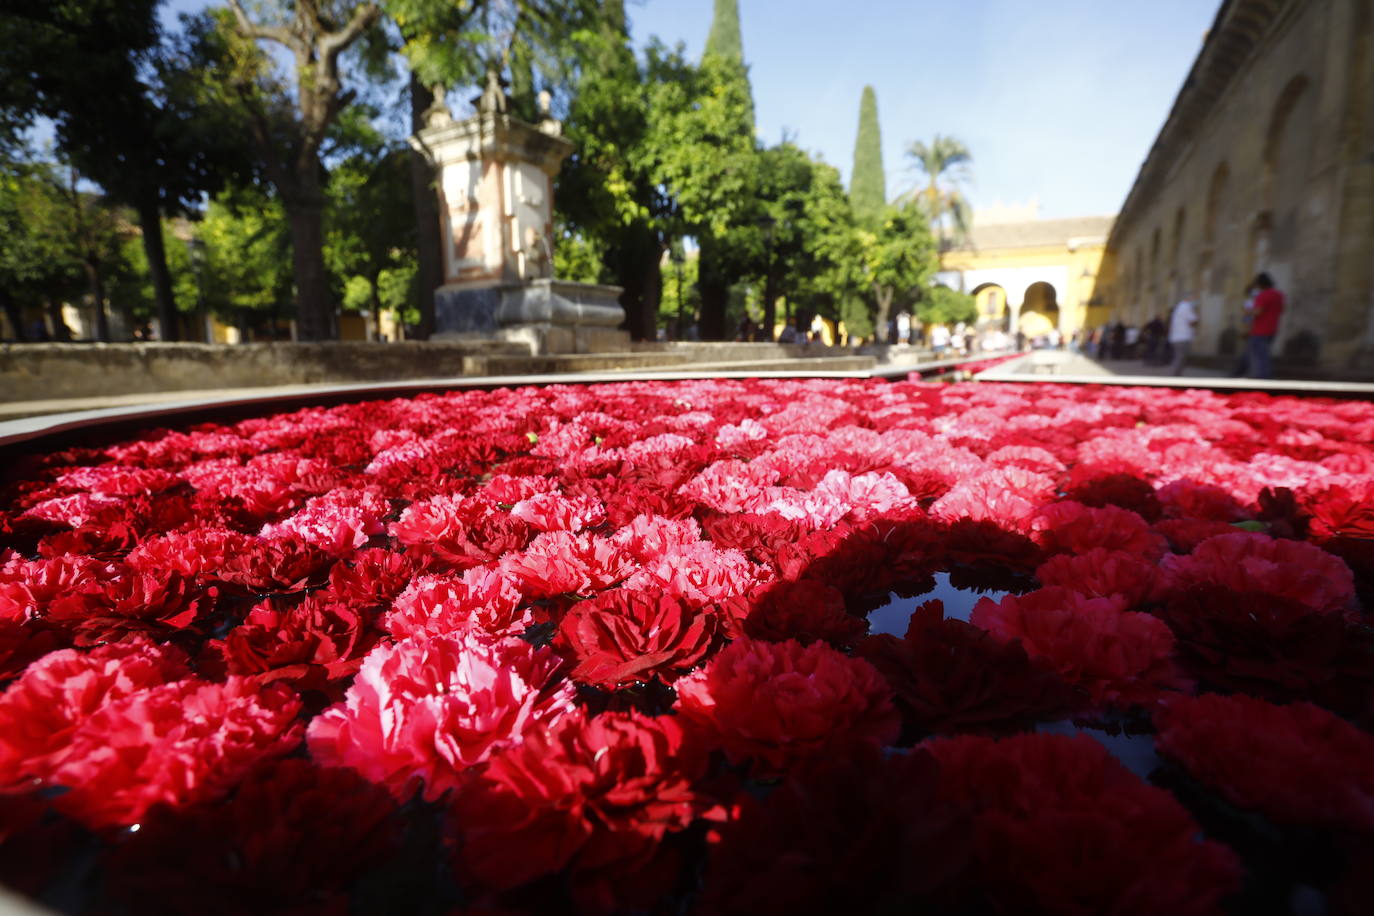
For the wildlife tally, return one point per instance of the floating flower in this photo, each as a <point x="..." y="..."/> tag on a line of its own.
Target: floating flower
<point x="776" y="703"/>
<point x="429" y="707"/>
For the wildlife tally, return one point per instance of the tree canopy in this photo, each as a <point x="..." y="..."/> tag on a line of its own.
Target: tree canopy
<point x="253" y="163"/>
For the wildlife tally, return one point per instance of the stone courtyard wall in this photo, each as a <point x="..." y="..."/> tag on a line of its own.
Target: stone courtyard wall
<point x="1266" y="162"/>
<point x="47" y="371"/>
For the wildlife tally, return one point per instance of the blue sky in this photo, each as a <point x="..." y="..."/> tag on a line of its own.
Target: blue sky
<point x="1058" y="100"/>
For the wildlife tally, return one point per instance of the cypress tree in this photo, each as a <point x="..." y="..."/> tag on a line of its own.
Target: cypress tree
<point x="724" y="39"/>
<point x="867" y="184"/>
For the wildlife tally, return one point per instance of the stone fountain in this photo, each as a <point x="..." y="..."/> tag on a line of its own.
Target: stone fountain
<point x="495" y="182"/>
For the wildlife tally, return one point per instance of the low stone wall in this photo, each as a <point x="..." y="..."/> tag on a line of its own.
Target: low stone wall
<point x="44" y="371"/>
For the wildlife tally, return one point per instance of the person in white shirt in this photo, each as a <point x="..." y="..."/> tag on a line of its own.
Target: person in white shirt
<point x="1182" y="322"/>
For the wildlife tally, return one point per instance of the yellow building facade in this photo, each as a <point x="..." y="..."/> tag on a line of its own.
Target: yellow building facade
<point x="1032" y="275"/>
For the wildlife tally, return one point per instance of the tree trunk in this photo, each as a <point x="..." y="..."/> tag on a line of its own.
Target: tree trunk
<point x="97" y="283"/>
<point x="715" y="290"/>
<point x="15" y="314"/>
<point x="770" y="305"/>
<point x="150" y="221"/>
<point x="883" y="296"/>
<point x="638" y="270"/>
<point x="314" y="308"/>
<point x="428" y="244"/>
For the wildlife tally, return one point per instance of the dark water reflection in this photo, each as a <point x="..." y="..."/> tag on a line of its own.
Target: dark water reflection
<point x="894" y="616"/>
<point x="1135" y="752"/>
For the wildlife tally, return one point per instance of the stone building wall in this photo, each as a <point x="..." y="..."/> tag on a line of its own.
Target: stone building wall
<point x="1266" y="162"/>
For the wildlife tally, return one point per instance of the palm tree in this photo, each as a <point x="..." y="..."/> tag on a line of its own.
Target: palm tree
<point x="945" y="165"/>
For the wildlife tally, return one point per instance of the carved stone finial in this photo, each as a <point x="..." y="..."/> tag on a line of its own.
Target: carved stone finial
<point x="493" y="99"/>
<point x="548" y="124"/>
<point x="438" y="113"/>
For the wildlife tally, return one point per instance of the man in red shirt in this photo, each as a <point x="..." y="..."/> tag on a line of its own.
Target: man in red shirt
<point x="1264" y="325"/>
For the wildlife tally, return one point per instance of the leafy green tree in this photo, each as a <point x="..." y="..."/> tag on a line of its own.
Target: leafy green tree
<point x="703" y="130"/>
<point x="939" y="304"/>
<point x="40" y="263"/>
<point x="246" y="271"/>
<point x="944" y="163"/>
<point x="611" y="198"/>
<point x="370" y="240"/>
<point x="124" y="112"/>
<point x="867" y="182"/>
<point x="724" y="40"/>
<point x="899" y="259"/>
<point x="290" y="122"/>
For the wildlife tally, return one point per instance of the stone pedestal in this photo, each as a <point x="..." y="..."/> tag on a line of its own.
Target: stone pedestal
<point x="552" y="316"/>
<point x="496" y="203"/>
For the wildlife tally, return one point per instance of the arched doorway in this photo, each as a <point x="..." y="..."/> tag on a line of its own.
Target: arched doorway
<point x="991" y="302"/>
<point x="1040" y="310"/>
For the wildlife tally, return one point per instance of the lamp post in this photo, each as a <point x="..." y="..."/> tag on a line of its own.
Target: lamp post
<point x="770" y="309"/>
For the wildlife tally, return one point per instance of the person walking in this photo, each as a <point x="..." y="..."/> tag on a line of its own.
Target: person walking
<point x="1264" y="326"/>
<point x="1182" y="322"/>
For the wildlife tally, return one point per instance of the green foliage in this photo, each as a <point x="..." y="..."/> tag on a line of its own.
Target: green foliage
<point x="724" y="40"/>
<point x="40" y="255"/>
<point x="701" y="139"/>
<point x="939" y="304"/>
<point x="246" y="265"/>
<point x="678" y="312"/>
<point x="578" y="257"/>
<point x="867" y="182"/>
<point x="944" y="163"/>
<point x="131" y="287"/>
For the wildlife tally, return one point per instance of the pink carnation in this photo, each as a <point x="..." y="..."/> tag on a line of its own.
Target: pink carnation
<point x="432" y="706"/>
<point x="483" y="598"/>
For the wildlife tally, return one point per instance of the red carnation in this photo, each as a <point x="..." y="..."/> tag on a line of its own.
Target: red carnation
<point x="859" y="832"/>
<point x="1273" y="647"/>
<point x="1342" y="512"/>
<point x="1101" y="573"/>
<point x="1247" y="562"/>
<point x="1062" y="827"/>
<point x="176" y="743"/>
<point x="312" y="645"/>
<point x="952" y="677"/>
<point x="776" y="703"/>
<point x="430" y="707"/>
<point x="1184" y="498"/>
<point x="1184" y="534"/>
<point x="1096" y="486"/>
<point x="588" y="794"/>
<point x="560" y="562"/>
<point x="459" y="532"/>
<point x="1296" y="764"/>
<point x="292" y="838"/>
<point x="1070" y="527"/>
<point x="1120" y="657"/>
<point x="370" y="578"/>
<point x="624" y="635"/>
<point x="41" y="711"/>
<point x="806" y="611"/>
